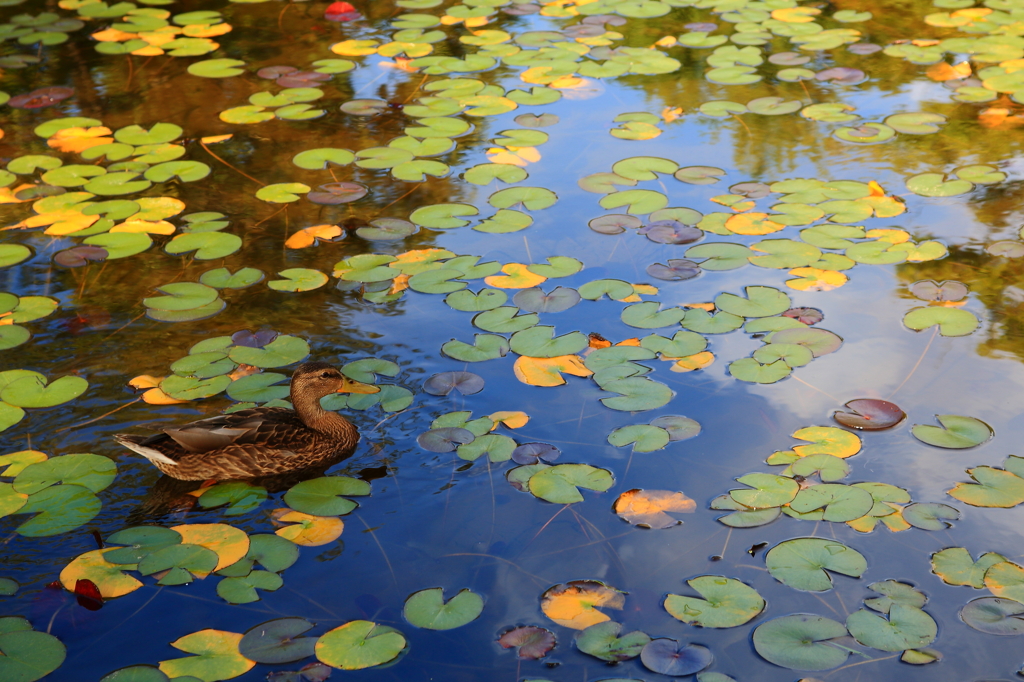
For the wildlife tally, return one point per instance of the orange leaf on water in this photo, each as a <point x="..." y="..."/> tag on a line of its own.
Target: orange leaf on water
<point x="693" y="362"/>
<point x="511" y="419"/>
<point x="310" y="235"/>
<point x="575" y="603"/>
<point x="548" y="371"/>
<point x="306" y="529"/>
<point x="79" y="139"/>
<point x="516" y="277"/>
<point x="647" y="507"/>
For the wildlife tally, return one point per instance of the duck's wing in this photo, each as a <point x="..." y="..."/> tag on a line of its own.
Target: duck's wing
<point x="261" y="425"/>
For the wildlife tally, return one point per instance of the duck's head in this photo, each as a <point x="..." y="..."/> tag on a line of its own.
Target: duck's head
<point x="314" y="380"/>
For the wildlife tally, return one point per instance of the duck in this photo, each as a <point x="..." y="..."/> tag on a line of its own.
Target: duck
<point x="261" y="441"/>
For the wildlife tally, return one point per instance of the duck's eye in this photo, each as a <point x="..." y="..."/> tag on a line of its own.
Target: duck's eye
<point x="326" y="375"/>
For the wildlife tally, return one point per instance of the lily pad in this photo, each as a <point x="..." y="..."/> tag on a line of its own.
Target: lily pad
<point x="428" y="609"/>
<point x="726" y="603"/>
<point x="956" y="432"/>
<point x="277" y="641"/>
<point x="669" y="657"/>
<point x="870" y="414"/>
<point x="801" y="642"/>
<point x="359" y="644"/>
<point x="802" y="563"/>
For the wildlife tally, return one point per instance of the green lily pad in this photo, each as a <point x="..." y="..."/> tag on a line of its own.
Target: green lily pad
<point x="950" y="321"/>
<point x="956" y="567"/>
<point x="443" y="216"/>
<point x="186" y="171"/>
<point x="643" y="437"/>
<point x="89" y="471"/>
<point x="956" y="432"/>
<point x="359" y="644"/>
<point x="181" y="562"/>
<point x="216" y="68"/>
<point x="322" y="158"/>
<point x="540" y="342"/>
<point x="58" y="509"/>
<point x="29" y="655"/>
<point x="428" y="609"/>
<point x="636" y="394"/>
<point x="801" y="642"/>
<point x="930" y="515"/>
<point x="222" y="278"/>
<point x="639" y="201"/>
<point x="726" y="603"/>
<point x="484" y="347"/>
<point x="238" y="496"/>
<point x="207" y="245"/>
<point x="906" y="628"/>
<point x="868" y="133"/>
<point x="505" y="320"/>
<point x="936" y="185"/>
<point x="282" y="193"/>
<point x="647" y="315"/>
<point x="282" y="351"/>
<point x="298" y="279"/>
<point x="993" y="487"/>
<point x="560" y="484"/>
<point x="326" y="496"/>
<point x="760" y="302"/>
<point x="840" y="503"/>
<point x="181" y="296"/>
<point x="277" y="641"/>
<point x="33" y="391"/>
<point x="605" y="641"/>
<point x="802" y="563"/>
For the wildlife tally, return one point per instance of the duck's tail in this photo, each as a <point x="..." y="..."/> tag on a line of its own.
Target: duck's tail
<point x="134" y="443"/>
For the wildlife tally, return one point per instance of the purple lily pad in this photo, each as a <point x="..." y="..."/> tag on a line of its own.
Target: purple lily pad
<point x="678" y="427"/>
<point x="870" y="414"/>
<point x="249" y="340"/>
<point x="863" y="48"/>
<point x="614" y="224"/>
<point x="444" y="440"/>
<point x="535" y="300"/>
<point x="532" y="453"/>
<point x="805" y="315"/>
<point x="275" y="72"/>
<point x="927" y="290"/>
<point x="605" y="19"/>
<point x="671" y="232"/>
<point x="41" y="97"/>
<point x="1008" y="249"/>
<point x="365" y="107"/>
<point x="842" y="75"/>
<point x="444" y="383"/>
<point x="77" y="256"/>
<point x="751" y="190"/>
<point x="533" y="642"/>
<point x="303" y="79"/>
<point x="677" y="270"/>
<point x="789" y="58"/>
<point x="521" y="10"/>
<point x="334" y="193"/>
<point x="702" y="26"/>
<point x="668" y="657"/>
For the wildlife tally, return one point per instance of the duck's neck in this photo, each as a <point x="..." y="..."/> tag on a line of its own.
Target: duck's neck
<point x="317" y="418"/>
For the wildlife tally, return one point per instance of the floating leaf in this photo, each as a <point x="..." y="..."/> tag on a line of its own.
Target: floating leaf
<point x="956" y="432"/>
<point x="216" y="658"/>
<point x="307" y="530"/>
<point x="428" y="609"/>
<point x="669" y="657"/>
<point x="726" y="603"/>
<point x="906" y="628"/>
<point x="559" y="484"/>
<point x="603" y="641"/>
<point x="802" y="563"/>
<point x="28" y="655"/>
<point x="326" y="496"/>
<point x="359" y="644"/>
<point x="869" y="414"/>
<point x="801" y="642"/>
<point x="930" y="515"/>
<point x="277" y="641"/>
<point x="994" y="616"/>
<point x="956" y="567"/>
<point x="950" y="321"/>
<point x="532" y="642"/>
<point x="643" y="437"/>
<point x="574" y="604"/>
<point x="444" y="383"/>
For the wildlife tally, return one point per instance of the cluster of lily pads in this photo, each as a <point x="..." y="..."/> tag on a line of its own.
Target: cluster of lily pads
<point x="1000" y="614"/>
<point x="23" y="388"/>
<point x="151" y="32"/>
<point x="60" y="492"/>
<point x="793" y="492"/>
<point x="235" y="365"/>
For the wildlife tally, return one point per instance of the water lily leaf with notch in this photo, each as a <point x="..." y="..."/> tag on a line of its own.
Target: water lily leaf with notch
<point x="646" y="508"/>
<point x="90" y="471"/>
<point x="794" y="355"/>
<point x="935" y="185"/>
<point x="298" y="279"/>
<point x="994" y="616"/>
<point x="485" y="173"/>
<point x="560" y="484"/>
<point x="828" y="467"/>
<point x="33" y="391"/>
<point x="12" y="254"/>
<point x="207" y="245"/>
<point x="801" y="642"/>
<point x="647" y="315"/>
<point x="921" y="123"/>
<point x="769" y="490"/>
<point x="615" y="289"/>
<point x="282" y="351"/>
<point x="186" y="171"/>
<point x="906" y="628"/>
<point x="497" y="447"/>
<point x="428" y="609"/>
<point x="222" y="278"/>
<point x="703" y="322"/>
<point x="980" y="174"/>
<point x="240" y="497"/>
<point x="640" y="201"/>
<point x="636" y="394"/>
<point x="217" y="656"/>
<point x="894" y="592"/>
<point x="827" y="440"/>
<point x="277" y="641"/>
<point x="819" y="341"/>
<point x="643" y="437"/>
<point x="140" y="541"/>
<point x="28" y="655"/>
<point x="802" y="563"/>
<point x="644" y="167"/>
<point x="484" y="347"/>
<point x="868" y="133"/>
<point x="955" y="566"/>
<point x="540" y="342"/>
<point x="242" y="589"/>
<point x="181" y="295"/>
<point x="467" y="301"/>
<point x="956" y="432"/>
<point x="535" y="300"/>
<point x="869" y="414"/>
<point x="179" y="563"/>
<point x="603" y="641"/>
<point x="59" y="509"/>
<point x="359" y="644"/>
<point x="574" y="604"/>
<point x="950" y="321"/>
<point x="774" y="106"/>
<point x="750" y="370"/>
<point x="669" y="657"/>
<point x="282" y="192"/>
<point x="556" y="266"/>
<point x="322" y="158"/>
<point x="229" y="543"/>
<point x="110" y="578"/>
<point x="760" y="302"/>
<point x="726" y="603"/>
<point x="443" y="216"/>
<point x="326" y="496"/>
<point x="305" y="529"/>
<point x="720" y="255"/>
<point x="531" y="198"/>
<point x="840" y="503"/>
<point x="365" y="370"/>
<point x="505" y="320"/>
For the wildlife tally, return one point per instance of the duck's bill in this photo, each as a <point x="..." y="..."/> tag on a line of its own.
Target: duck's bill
<point x="351" y="386"/>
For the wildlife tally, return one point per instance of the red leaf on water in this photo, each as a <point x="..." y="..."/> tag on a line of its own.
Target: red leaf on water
<point x="341" y="11"/>
<point x="88" y="594"/>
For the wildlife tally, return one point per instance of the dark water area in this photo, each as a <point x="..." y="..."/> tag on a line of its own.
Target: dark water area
<point x="435" y="519"/>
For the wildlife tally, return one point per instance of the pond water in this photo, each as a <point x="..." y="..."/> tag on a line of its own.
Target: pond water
<point x="199" y="196"/>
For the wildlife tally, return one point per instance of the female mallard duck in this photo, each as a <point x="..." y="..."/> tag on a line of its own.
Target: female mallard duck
<point x="261" y="441"/>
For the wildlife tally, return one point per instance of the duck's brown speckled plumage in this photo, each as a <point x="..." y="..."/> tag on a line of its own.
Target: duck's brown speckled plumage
<point x="261" y="441"/>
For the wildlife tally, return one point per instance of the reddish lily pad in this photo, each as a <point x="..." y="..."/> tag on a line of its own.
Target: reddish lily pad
<point x="870" y="414"/>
